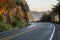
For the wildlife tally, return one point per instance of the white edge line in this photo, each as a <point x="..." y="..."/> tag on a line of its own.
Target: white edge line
<point x="52" y="33"/>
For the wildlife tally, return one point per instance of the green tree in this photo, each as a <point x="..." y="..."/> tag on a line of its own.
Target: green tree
<point x="56" y="10"/>
<point x="45" y="17"/>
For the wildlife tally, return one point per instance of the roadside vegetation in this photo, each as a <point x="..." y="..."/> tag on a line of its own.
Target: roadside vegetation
<point x="53" y="16"/>
<point x="13" y="14"/>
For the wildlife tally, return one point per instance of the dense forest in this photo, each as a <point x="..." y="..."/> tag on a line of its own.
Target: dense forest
<point x="13" y="14"/>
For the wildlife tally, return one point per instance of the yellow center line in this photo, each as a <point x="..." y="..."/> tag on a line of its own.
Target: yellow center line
<point x="18" y="34"/>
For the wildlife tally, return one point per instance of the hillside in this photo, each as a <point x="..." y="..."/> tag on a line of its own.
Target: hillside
<point x="36" y="15"/>
<point x="13" y="14"/>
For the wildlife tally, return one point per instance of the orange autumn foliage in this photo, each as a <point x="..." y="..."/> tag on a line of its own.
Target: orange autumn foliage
<point x="10" y="7"/>
<point x="2" y="10"/>
<point x="3" y="1"/>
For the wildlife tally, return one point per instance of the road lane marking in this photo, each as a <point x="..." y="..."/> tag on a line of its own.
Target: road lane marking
<point x="52" y="33"/>
<point x="26" y="31"/>
<point x="15" y="35"/>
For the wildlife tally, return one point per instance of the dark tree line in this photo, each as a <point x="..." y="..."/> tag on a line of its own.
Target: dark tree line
<point x="51" y="17"/>
<point x="56" y="10"/>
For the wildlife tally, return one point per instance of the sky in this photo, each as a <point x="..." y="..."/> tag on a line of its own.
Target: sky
<point x="41" y="5"/>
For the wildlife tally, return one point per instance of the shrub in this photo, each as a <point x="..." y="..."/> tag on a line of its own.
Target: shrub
<point x="21" y="23"/>
<point x="5" y="27"/>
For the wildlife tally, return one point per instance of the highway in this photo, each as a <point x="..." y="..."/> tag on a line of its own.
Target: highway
<point x="35" y="31"/>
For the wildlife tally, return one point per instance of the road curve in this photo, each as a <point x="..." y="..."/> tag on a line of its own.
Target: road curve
<point x="36" y="31"/>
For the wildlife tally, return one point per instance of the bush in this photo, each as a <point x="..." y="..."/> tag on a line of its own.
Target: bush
<point x="21" y="23"/>
<point x="5" y="27"/>
<point x="18" y="24"/>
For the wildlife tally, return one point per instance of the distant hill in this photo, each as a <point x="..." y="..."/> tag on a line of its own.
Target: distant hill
<point x="36" y="15"/>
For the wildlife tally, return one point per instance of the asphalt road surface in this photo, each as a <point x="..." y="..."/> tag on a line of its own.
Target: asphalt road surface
<point x="57" y="32"/>
<point x="36" y="31"/>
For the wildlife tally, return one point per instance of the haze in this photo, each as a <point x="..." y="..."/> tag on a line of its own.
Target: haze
<point x="41" y="5"/>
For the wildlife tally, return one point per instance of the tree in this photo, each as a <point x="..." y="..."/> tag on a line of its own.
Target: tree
<point x="45" y="18"/>
<point x="25" y="8"/>
<point x="56" y="10"/>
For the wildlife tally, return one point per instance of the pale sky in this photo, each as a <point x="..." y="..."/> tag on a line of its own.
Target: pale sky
<point x="41" y="5"/>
